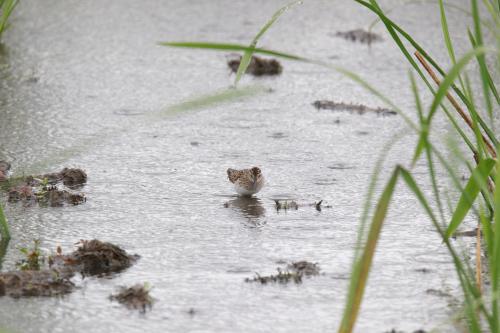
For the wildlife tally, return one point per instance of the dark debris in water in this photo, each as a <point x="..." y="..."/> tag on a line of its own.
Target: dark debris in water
<point x="91" y="258"/>
<point x="44" y="190"/>
<point x="282" y="277"/>
<point x="468" y="233"/>
<point x="293" y="273"/>
<point x="136" y="297"/>
<point x="258" y="66"/>
<point x="304" y="268"/>
<point x="417" y="331"/>
<point x="359" y="35"/>
<point x="4" y="169"/>
<point x="94" y="257"/>
<point x="293" y="205"/>
<point x="353" y="108"/>
<point x="34" y="283"/>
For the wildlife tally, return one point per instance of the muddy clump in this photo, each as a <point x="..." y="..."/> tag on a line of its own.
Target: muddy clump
<point x="4" y="169"/>
<point x="90" y="258"/>
<point x="282" y="277"/>
<point x="136" y="297"/>
<point x="44" y="190"/>
<point x="359" y="35"/>
<point x="293" y="273"/>
<point x="352" y="108"/>
<point x="94" y="257"/>
<point x="34" y="283"/>
<point x="293" y="205"/>
<point x="258" y="66"/>
<point x="70" y="177"/>
<point x="304" y="268"/>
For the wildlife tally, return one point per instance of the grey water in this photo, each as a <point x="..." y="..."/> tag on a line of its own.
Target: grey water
<point x="85" y="84"/>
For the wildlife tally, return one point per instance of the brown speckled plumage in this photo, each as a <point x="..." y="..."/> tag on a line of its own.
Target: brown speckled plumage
<point x="246" y="181"/>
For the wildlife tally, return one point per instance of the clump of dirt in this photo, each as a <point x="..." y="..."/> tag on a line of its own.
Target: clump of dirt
<point x="293" y="205"/>
<point x="70" y="177"/>
<point x="43" y="189"/>
<point x="45" y="196"/>
<point x="91" y="258"/>
<point x="94" y="257"/>
<point x="293" y="273"/>
<point x="353" y="108"/>
<point x="4" y="169"/>
<point x="282" y="277"/>
<point x="34" y="283"/>
<point x="359" y="35"/>
<point x="258" y="66"/>
<point x="304" y="268"/>
<point x="136" y="297"/>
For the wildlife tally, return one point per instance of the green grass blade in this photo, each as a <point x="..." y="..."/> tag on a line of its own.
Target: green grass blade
<point x="481" y="59"/>
<point x="4" y="226"/>
<point x="231" y="47"/>
<point x="247" y="56"/>
<point x="209" y="100"/>
<point x="362" y="266"/>
<point x="7" y="7"/>
<point x="392" y="27"/>
<point x="476" y="182"/>
<point x="450" y="78"/>
<point x="495" y="269"/>
<point x="491" y="84"/>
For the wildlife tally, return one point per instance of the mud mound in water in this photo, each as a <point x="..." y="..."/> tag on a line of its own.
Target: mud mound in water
<point x="70" y="177"/>
<point x="304" y="268"/>
<point x="91" y="258"/>
<point x="359" y="35"/>
<point x="258" y="66"/>
<point x="294" y="273"/>
<point x="4" y="168"/>
<point x="43" y="189"/>
<point x="94" y="257"/>
<point x="136" y="297"/>
<point x="353" y="108"/>
<point x="34" y="283"/>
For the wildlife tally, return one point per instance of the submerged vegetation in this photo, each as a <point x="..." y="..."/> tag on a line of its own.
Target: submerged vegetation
<point x="475" y="127"/>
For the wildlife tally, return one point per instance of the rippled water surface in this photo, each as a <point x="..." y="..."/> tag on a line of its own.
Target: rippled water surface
<point x="84" y="84"/>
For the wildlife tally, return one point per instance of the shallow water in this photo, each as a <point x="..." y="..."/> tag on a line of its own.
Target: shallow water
<point x="85" y="85"/>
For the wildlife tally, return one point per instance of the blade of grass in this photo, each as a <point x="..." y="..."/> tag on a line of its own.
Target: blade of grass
<point x="4" y="226"/>
<point x="481" y="59"/>
<point x="247" y="56"/>
<point x="7" y="8"/>
<point x="392" y="27"/>
<point x="230" y="47"/>
<point x="477" y="181"/>
<point x="212" y="99"/>
<point x="491" y="84"/>
<point x="362" y="267"/>
<point x="495" y="269"/>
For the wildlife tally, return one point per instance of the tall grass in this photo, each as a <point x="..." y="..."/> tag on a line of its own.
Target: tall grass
<point x="6" y="8"/>
<point x="473" y="122"/>
<point x="4" y="226"/>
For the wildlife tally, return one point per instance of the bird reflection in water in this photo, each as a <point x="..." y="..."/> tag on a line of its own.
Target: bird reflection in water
<point x="248" y="207"/>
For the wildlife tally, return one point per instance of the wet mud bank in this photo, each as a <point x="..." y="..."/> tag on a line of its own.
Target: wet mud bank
<point x="51" y="189"/>
<point x="91" y="258"/>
